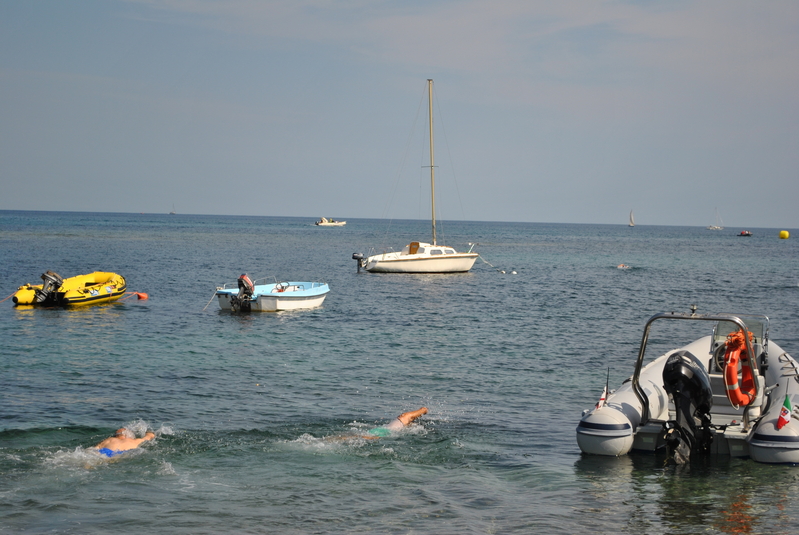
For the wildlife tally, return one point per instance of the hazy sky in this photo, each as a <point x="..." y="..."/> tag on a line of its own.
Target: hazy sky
<point x="550" y="111"/>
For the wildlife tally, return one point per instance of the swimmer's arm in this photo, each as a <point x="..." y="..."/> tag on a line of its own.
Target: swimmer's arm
<point x="149" y="435"/>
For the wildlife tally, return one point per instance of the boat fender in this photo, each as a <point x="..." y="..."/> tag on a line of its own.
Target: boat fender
<point x="743" y="394"/>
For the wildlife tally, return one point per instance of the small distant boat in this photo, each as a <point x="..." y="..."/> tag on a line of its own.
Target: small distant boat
<point x="719" y="223"/>
<point x="90" y="289"/>
<point x="273" y="297"/>
<point x="632" y="219"/>
<point x="622" y="266"/>
<point x="421" y="257"/>
<point x="733" y="392"/>
<point x="745" y="233"/>
<point x="173" y="210"/>
<point x="325" y="222"/>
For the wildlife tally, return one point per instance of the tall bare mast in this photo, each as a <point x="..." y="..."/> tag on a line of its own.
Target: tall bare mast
<point x="432" y="163"/>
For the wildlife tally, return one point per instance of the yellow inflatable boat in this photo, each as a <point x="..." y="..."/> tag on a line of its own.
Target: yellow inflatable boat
<point x="97" y="287"/>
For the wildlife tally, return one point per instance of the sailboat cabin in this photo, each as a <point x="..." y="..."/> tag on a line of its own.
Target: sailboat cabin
<point x="416" y="247"/>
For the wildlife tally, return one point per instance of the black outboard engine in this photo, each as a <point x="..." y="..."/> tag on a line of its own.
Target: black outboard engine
<point x="686" y="380"/>
<point x="52" y="282"/>
<point x="243" y="301"/>
<point x="358" y="257"/>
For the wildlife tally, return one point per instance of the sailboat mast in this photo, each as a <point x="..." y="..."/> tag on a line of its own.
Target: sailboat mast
<point x="432" y="164"/>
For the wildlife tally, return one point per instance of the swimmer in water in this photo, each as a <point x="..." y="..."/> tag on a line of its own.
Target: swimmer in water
<point x="122" y="441"/>
<point x="403" y="420"/>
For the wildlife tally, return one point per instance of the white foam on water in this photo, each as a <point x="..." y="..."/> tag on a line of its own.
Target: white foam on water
<point x="166" y="469"/>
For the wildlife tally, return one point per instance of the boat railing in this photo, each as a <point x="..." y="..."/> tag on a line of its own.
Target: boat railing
<point x="727" y="318"/>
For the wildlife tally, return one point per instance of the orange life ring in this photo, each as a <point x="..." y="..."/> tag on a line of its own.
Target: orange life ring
<point x="745" y="393"/>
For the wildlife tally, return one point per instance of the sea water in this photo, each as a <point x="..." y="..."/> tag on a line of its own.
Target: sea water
<point x="259" y="416"/>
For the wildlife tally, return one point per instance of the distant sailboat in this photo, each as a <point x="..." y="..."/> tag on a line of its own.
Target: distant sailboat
<point x="632" y="219"/>
<point x="173" y="209"/>
<point x="719" y="223"/>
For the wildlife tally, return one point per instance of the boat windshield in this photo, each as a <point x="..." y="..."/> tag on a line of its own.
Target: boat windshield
<point x="757" y="325"/>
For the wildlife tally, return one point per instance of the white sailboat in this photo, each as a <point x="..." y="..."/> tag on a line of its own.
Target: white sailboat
<point x="719" y="223"/>
<point x="417" y="256"/>
<point x="632" y="219"/>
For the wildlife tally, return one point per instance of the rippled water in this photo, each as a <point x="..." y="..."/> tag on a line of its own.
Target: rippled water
<point x="245" y="406"/>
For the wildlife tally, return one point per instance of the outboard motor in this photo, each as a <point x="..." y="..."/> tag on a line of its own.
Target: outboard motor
<point x="358" y="257"/>
<point x="686" y="380"/>
<point x="52" y="282"/>
<point x="243" y="301"/>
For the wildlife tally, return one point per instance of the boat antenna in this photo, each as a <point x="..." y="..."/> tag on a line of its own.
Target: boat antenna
<point x="607" y="384"/>
<point x="432" y="164"/>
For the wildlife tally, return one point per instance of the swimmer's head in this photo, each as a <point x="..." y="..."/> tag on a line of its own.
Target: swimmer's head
<point x="123" y="432"/>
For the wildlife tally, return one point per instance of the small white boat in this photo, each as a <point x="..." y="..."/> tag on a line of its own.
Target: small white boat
<point x="420" y="257"/>
<point x="247" y="296"/>
<point x="325" y="222"/>
<point x="632" y="219"/>
<point x="731" y="393"/>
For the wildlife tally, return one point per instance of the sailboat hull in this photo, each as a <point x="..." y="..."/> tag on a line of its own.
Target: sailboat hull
<point x="399" y="263"/>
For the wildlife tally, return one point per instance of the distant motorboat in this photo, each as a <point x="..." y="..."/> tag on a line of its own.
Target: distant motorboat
<point x="719" y="223"/>
<point x="622" y="266"/>
<point x="273" y="297"/>
<point x="745" y="233"/>
<point x="632" y="219"/>
<point x="325" y="222"/>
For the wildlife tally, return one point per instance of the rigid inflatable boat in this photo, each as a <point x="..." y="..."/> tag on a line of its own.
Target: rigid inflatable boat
<point x="731" y="393"/>
<point x="90" y="289"/>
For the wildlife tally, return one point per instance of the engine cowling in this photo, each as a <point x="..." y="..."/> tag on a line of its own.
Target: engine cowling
<point x="243" y="301"/>
<point x="52" y="282"/>
<point x="686" y="380"/>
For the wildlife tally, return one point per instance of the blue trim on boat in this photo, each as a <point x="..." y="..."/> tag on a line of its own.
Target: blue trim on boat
<point x="604" y="427"/>
<point x="307" y="289"/>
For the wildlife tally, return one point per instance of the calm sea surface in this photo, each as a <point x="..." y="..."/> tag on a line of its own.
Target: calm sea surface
<point x="244" y="405"/>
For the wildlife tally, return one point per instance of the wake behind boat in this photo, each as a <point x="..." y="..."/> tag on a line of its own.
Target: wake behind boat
<point x="273" y="297"/>
<point x="420" y="257"/>
<point x="731" y="393"/>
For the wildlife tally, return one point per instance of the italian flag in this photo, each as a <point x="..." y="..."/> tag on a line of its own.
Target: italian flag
<point x="785" y="413"/>
<point x="602" y="399"/>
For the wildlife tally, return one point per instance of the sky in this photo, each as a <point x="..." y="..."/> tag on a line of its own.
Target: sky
<point x="545" y="111"/>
